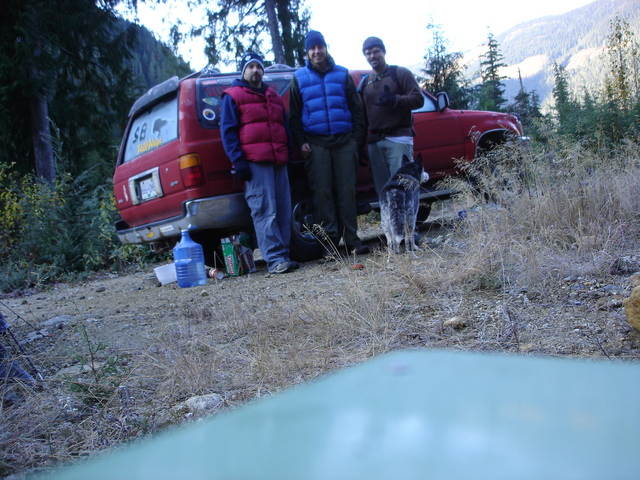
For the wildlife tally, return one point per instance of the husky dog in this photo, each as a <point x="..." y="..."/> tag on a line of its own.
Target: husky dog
<point x="399" y="202"/>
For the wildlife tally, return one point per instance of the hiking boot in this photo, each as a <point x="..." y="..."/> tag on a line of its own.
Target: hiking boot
<point x="293" y="265"/>
<point x="282" y="267"/>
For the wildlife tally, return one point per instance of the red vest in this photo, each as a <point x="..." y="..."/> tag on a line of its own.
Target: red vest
<point x="263" y="137"/>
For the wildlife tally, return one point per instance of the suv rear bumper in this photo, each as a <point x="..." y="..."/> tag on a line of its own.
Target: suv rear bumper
<point x="220" y="213"/>
<point x="216" y="213"/>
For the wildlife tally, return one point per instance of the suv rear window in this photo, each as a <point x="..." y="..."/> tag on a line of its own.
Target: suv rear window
<point x="152" y="128"/>
<point x="209" y="90"/>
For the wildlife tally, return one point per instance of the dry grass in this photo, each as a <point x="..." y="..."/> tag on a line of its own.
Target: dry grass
<point x="529" y="270"/>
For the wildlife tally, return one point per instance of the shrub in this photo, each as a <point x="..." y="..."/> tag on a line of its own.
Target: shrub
<point x="49" y="233"/>
<point x="566" y="209"/>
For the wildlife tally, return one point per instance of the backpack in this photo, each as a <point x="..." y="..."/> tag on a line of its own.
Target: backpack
<point x="393" y="70"/>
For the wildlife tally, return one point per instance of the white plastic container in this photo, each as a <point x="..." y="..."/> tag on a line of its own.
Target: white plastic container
<point x="166" y="273"/>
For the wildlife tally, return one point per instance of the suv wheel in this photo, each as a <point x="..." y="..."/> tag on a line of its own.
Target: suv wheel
<point x="304" y="245"/>
<point x="423" y="212"/>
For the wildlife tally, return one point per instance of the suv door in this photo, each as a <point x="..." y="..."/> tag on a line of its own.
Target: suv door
<point x="438" y="137"/>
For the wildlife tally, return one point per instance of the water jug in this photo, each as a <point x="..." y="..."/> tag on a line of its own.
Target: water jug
<point x="189" y="260"/>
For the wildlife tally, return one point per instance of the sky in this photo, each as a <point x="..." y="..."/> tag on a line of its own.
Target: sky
<point x="401" y="24"/>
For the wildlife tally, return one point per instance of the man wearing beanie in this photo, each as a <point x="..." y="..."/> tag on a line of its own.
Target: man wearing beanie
<point x="327" y="123"/>
<point x="389" y="94"/>
<point x="256" y="137"/>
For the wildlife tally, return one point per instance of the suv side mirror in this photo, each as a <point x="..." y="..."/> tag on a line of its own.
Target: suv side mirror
<point x="443" y="101"/>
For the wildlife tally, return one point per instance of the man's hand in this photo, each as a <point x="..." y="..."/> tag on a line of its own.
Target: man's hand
<point x="243" y="170"/>
<point x="305" y="150"/>
<point x="386" y="99"/>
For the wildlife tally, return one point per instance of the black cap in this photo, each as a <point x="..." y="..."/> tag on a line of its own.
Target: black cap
<point x="371" y="42"/>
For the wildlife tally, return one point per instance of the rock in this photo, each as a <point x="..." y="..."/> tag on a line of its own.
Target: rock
<point x="33" y="336"/>
<point x="626" y="264"/>
<point x="59" y="320"/>
<point x="77" y="370"/>
<point x="632" y="308"/>
<point x="204" y="403"/>
<point x="608" y="303"/>
<point x="198" y="405"/>
<point x="455" y="322"/>
<point x="610" y="289"/>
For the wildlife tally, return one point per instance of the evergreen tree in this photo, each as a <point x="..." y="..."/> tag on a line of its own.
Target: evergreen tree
<point x="237" y="26"/>
<point x="564" y="106"/>
<point x="443" y="71"/>
<point x="623" y="52"/>
<point x="491" y="92"/>
<point x="525" y="105"/>
<point x="61" y="65"/>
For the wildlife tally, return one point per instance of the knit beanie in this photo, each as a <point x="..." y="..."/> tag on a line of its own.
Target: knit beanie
<point x="248" y="58"/>
<point x="371" y="42"/>
<point x="313" y="38"/>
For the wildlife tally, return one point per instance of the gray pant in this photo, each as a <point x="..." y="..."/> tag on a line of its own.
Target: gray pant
<point x="386" y="158"/>
<point x="332" y="176"/>
<point x="269" y="198"/>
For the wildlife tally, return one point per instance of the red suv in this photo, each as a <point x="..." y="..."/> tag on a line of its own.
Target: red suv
<point x="172" y="172"/>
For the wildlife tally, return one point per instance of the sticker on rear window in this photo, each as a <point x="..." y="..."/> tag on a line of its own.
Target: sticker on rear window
<point x="152" y="128"/>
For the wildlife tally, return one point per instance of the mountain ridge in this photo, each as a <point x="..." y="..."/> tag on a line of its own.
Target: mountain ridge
<point x="575" y="40"/>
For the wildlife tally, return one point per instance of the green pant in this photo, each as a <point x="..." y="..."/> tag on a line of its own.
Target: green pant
<point x="332" y="178"/>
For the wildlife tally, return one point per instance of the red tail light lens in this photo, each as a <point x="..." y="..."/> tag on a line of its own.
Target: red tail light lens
<point x="191" y="170"/>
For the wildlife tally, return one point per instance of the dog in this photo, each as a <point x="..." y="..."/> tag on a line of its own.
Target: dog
<point x="399" y="203"/>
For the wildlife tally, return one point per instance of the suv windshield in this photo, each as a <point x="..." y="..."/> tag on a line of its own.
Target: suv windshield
<point x="209" y="90"/>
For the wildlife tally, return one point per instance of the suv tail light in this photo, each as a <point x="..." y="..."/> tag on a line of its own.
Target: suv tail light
<point x="191" y="170"/>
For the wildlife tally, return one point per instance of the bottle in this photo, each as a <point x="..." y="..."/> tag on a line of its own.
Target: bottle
<point x="216" y="273"/>
<point x="189" y="260"/>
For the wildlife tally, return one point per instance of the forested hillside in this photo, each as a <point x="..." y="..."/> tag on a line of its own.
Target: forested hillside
<point x="153" y="62"/>
<point x="574" y="40"/>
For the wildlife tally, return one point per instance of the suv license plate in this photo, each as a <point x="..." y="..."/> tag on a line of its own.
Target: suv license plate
<point x="147" y="189"/>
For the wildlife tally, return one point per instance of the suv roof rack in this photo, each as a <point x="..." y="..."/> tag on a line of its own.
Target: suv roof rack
<point x="209" y="71"/>
<point x="278" y="66"/>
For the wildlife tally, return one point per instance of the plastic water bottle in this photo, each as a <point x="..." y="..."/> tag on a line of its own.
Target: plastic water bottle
<point x="189" y="260"/>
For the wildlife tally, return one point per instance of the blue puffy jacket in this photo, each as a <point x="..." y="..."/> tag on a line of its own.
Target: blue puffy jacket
<point x="326" y="110"/>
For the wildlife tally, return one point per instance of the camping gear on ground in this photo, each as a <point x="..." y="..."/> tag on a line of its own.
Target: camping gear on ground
<point x="238" y="255"/>
<point x="9" y="368"/>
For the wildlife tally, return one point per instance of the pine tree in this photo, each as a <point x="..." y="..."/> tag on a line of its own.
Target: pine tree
<point x="564" y="106"/>
<point x="237" y="26"/>
<point x="491" y="92"/>
<point x="59" y="64"/>
<point x="623" y="52"/>
<point x="443" y="71"/>
<point x="526" y="105"/>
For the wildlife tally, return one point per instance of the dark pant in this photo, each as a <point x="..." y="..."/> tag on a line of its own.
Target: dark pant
<point x="332" y="177"/>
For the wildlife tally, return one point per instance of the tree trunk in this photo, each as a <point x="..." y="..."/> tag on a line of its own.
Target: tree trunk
<point x="288" y="42"/>
<point x="276" y="38"/>
<point x="41" y="135"/>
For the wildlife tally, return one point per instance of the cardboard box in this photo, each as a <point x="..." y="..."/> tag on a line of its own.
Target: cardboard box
<point x="238" y="255"/>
